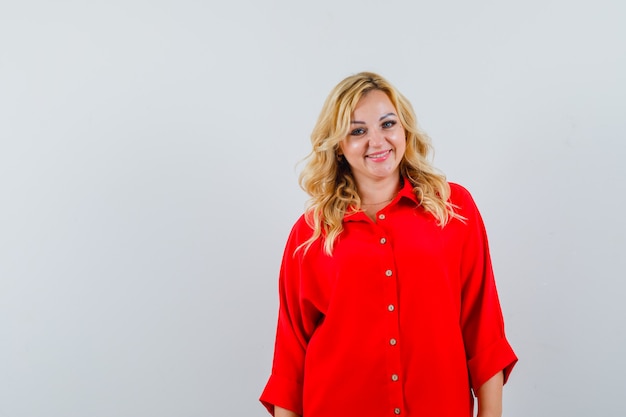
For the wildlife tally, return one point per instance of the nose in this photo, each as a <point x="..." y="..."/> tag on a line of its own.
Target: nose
<point x="376" y="139"/>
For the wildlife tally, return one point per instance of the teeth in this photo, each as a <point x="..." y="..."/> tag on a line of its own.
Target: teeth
<point x="378" y="155"/>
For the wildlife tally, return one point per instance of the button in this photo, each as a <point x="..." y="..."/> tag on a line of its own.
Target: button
<point x="381" y="217"/>
<point x="396" y="411"/>
<point x="393" y="342"/>
<point x="394" y="377"/>
<point x="383" y="240"/>
<point x="389" y="272"/>
<point x="391" y="307"/>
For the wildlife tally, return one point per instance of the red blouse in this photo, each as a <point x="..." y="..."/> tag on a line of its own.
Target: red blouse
<point x="403" y="318"/>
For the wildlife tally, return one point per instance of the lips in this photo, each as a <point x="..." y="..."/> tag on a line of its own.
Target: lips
<point x="379" y="155"/>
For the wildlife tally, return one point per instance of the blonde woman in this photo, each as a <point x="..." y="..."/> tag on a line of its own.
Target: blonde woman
<point x="388" y="304"/>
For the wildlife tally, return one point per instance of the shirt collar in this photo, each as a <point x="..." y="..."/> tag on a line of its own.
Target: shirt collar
<point x="406" y="192"/>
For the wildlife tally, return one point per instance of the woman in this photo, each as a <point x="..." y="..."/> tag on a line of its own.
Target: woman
<point x="388" y="304"/>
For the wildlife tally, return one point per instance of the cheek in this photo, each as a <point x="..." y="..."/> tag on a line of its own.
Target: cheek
<point x="351" y="146"/>
<point x="400" y="141"/>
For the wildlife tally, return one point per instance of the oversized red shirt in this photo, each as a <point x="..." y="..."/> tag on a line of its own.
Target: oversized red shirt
<point x="403" y="318"/>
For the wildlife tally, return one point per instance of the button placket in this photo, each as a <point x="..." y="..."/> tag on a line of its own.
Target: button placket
<point x="390" y="284"/>
<point x="393" y="341"/>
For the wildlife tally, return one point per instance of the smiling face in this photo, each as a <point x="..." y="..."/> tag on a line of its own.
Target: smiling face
<point x="376" y="143"/>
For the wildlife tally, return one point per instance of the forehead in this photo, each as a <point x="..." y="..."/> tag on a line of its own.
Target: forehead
<point x="373" y="102"/>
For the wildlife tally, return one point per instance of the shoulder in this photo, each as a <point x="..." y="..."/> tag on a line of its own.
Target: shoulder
<point x="459" y="191"/>
<point x="462" y="200"/>
<point x="300" y="240"/>
<point x="301" y="230"/>
<point x="459" y="194"/>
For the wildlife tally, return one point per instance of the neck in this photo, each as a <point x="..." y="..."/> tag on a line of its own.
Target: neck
<point x="379" y="192"/>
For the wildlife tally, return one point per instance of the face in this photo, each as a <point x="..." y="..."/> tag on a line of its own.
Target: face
<point x="376" y="143"/>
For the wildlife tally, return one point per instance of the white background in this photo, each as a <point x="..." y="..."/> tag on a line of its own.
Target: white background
<point x="148" y="182"/>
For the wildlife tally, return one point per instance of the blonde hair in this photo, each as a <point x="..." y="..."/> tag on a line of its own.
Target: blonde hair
<point x="328" y="179"/>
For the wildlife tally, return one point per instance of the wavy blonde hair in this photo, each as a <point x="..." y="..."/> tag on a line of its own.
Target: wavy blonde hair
<point x="328" y="179"/>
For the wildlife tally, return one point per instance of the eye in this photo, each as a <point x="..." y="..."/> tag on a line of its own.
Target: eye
<point x="389" y="124"/>
<point x="357" y="132"/>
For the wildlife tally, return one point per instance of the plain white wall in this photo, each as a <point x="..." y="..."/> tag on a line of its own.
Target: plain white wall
<point x="148" y="182"/>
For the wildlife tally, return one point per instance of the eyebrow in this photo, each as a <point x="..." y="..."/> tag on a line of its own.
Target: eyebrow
<point x="357" y="122"/>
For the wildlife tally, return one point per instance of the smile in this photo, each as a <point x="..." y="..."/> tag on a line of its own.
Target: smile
<point x="379" y="155"/>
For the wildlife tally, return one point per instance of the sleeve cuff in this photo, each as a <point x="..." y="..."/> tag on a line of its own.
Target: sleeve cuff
<point x="282" y="392"/>
<point x="497" y="357"/>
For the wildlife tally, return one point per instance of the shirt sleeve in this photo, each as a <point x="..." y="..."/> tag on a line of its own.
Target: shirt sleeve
<point x="296" y="322"/>
<point x="488" y="351"/>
